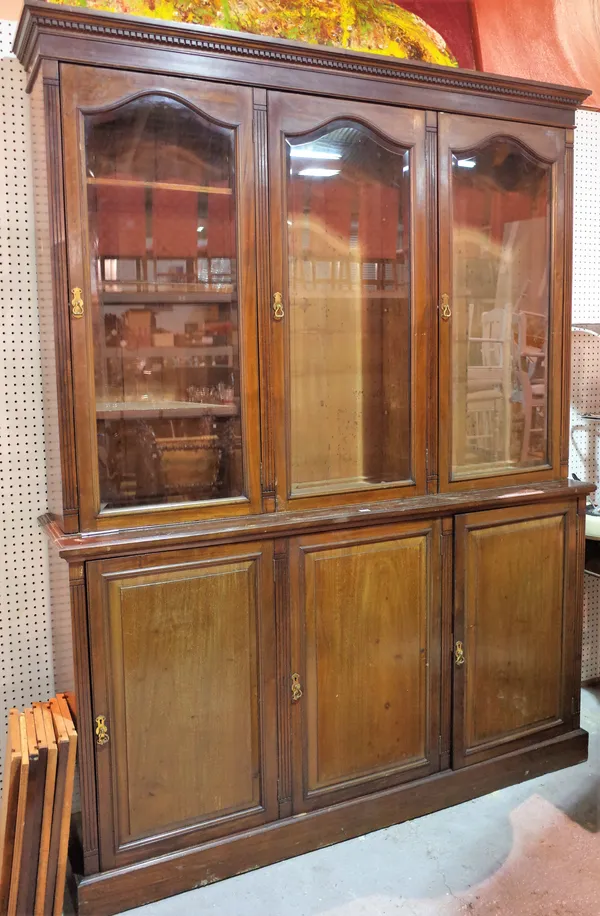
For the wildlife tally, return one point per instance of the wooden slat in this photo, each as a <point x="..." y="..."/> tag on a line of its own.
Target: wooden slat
<point x="42" y="711"/>
<point x="65" y="824"/>
<point x="38" y="753"/>
<point x="20" y="823"/>
<point x="62" y="742"/>
<point x="10" y="801"/>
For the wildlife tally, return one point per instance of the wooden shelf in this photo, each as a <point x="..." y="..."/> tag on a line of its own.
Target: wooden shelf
<point x="170" y="352"/>
<point x="159" y="185"/>
<point x="188" y="295"/>
<point x="168" y="410"/>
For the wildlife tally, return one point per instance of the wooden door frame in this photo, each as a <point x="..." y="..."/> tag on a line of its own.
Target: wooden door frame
<point x="438" y="674"/>
<point x="100" y="574"/>
<point x="295" y="114"/>
<point x="542" y="731"/>
<point x="456" y="132"/>
<point x="84" y="91"/>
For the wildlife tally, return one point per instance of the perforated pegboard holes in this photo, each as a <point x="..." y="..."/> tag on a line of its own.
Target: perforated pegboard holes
<point x="25" y="635"/>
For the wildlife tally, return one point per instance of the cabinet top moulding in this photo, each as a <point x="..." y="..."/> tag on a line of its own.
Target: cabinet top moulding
<point x="76" y="35"/>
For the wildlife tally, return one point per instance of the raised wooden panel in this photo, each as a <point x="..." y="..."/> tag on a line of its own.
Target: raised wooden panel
<point x="366" y="621"/>
<point x="183" y="670"/>
<point x="514" y="575"/>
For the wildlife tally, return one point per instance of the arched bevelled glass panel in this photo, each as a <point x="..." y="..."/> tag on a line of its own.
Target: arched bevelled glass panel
<point x="162" y="230"/>
<point x="501" y="240"/>
<point x="348" y="234"/>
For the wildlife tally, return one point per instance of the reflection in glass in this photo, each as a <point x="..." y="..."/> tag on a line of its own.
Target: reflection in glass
<point x="348" y="229"/>
<point x="161" y="210"/>
<point x="501" y="199"/>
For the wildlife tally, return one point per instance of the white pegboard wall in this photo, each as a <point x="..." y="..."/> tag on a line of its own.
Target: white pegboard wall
<point x="584" y="452"/>
<point x="584" y="459"/>
<point x="586" y="218"/>
<point x="26" y="669"/>
<point x="590" y="649"/>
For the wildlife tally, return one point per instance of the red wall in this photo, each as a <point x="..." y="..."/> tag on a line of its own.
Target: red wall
<point x="453" y="20"/>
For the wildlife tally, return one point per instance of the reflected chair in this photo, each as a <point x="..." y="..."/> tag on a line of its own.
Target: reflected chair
<point x="488" y="383"/>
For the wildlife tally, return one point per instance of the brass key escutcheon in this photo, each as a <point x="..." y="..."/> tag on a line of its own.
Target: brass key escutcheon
<point x="101" y="730"/>
<point x="445" y="307"/>
<point x="77" y="303"/>
<point x="277" y="306"/>
<point x="296" y="688"/>
<point x="459" y="654"/>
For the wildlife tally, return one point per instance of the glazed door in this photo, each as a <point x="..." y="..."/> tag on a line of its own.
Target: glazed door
<point x="515" y="653"/>
<point x="160" y="208"/>
<point x="366" y="637"/>
<point x="183" y="650"/>
<point x="501" y="205"/>
<point x="348" y="231"/>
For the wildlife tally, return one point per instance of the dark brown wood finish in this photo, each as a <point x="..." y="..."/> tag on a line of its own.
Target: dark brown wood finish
<point x="85" y="729"/>
<point x="131" y="541"/>
<point x="565" y="430"/>
<point x="183" y="651"/>
<point x="263" y="297"/>
<point x="515" y="681"/>
<point x="575" y="618"/>
<point x="106" y="894"/>
<point x="431" y="164"/>
<point x="88" y="90"/>
<point x="461" y="134"/>
<point x="366" y="645"/>
<point x="294" y="116"/>
<point x="283" y="630"/>
<point x="55" y="337"/>
<point x="447" y="586"/>
<point x="190" y="622"/>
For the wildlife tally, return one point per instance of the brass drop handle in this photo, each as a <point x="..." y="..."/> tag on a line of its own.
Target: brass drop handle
<point x="296" y="687"/>
<point x="101" y="730"/>
<point x="76" y="303"/>
<point x="445" y="309"/>
<point x="459" y="654"/>
<point x="277" y="306"/>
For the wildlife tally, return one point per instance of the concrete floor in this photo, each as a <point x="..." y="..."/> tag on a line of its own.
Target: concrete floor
<point x="531" y="850"/>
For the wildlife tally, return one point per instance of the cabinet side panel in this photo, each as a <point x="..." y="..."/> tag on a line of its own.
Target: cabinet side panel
<point x="567" y="310"/>
<point x="53" y="303"/>
<point x="85" y="742"/>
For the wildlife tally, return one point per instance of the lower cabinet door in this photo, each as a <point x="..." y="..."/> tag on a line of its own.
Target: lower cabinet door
<point x="183" y="662"/>
<point x="366" y="630"/>
<point x="515" y="622"/>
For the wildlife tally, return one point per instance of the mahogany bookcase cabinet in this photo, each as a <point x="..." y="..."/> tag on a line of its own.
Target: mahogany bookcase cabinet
<point x="306" y="330"/>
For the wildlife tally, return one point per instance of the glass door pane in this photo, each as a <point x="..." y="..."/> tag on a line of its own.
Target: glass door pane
<point x="161" y="203"/>
<point x="501" y="221"/>
<point x="348" y="207"/>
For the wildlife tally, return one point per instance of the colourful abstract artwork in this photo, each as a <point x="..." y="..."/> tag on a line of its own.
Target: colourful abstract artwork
<point x="379" y="26"/>
<point x="555" y="41"/>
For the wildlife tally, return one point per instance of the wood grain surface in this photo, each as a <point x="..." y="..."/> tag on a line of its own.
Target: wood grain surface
<point x="10" y="800"/>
